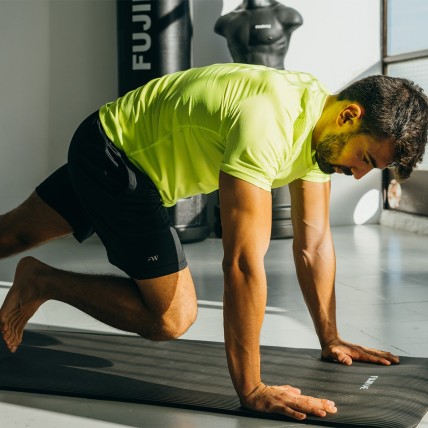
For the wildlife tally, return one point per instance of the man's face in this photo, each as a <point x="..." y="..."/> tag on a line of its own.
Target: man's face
<point x="352" y="154"/>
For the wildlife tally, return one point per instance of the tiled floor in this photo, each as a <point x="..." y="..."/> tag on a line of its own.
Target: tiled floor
<point x="382" y="293"/>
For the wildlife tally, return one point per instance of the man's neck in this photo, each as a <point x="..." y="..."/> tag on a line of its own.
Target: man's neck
<point x="324" y="120"/>
<point x="254" y="4"/>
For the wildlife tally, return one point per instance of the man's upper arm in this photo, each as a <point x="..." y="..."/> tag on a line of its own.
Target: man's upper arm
<point x="246" y="213"/>
<point x="310" y="209"/>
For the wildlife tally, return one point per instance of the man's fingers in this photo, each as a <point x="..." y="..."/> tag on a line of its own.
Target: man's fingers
<point x="346" y="353"/>
<point x="288" y="401"/>
<point x="374" y="356"/>
<point x="370" y="358"/>
<point x="301" y="406"/>
<point x="281" y="409"/>
<point x="384" y="357"/>
<point x="343" y="358"/>
<point x="314" y="406"/>
<point x="337" y="355"/>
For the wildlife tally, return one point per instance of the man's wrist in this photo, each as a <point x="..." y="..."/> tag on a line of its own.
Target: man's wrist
<point x="328" y="340"/>
<point x="245" y="384"/>
<point x="245" y="397"/>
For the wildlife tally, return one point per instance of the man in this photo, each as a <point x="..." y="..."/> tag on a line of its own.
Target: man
<point x="259" y="32"/>
<point x="240" y="128"/>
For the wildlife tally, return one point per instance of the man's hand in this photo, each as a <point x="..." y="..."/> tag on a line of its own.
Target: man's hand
<point x="286" y="400"/>
<point x="345" y="353"/>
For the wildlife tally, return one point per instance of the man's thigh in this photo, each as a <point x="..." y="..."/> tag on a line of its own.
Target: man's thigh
<point x="57" y="194"/>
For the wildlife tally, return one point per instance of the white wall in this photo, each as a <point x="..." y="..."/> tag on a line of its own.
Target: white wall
<point x="58" y="63"/>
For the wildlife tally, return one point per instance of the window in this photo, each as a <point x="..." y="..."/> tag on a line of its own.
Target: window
<point x="405" y="54"/>
<point x="407" y="26"/>
<point x="416" y="70"/>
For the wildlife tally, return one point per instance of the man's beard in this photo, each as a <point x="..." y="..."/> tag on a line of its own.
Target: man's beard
<point x="329" y="150"/>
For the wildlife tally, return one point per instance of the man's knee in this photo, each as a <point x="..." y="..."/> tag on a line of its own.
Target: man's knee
<point x="174" y="324"/>
<point x="171" y="303"/>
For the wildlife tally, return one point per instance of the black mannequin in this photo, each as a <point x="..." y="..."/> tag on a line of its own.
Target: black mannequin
<point x="259" y="32"/>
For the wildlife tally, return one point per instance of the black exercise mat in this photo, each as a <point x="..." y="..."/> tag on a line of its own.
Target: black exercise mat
<point x="193" y="375"/>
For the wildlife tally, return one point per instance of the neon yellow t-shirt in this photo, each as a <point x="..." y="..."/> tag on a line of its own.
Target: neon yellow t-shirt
<point x="250" y="121"/>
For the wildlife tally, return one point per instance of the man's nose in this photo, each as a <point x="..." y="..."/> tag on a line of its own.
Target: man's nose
<point x="361" y="171"/>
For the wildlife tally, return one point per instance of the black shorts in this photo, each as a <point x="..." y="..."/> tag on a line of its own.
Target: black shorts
<point x="99" y="190"/>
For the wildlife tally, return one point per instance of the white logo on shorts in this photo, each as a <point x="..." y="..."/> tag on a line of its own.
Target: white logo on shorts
<point x="153" y="258"/>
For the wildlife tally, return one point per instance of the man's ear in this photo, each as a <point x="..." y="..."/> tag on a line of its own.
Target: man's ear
<point x="350" y="115"/>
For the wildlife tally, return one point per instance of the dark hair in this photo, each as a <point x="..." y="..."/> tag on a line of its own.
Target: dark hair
<point x="394" y="109"/>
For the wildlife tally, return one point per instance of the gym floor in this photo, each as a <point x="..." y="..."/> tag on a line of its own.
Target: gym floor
<point x="382" y="295"/>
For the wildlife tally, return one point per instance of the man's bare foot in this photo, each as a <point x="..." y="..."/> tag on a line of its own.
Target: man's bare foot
<point x="22" y="301"/>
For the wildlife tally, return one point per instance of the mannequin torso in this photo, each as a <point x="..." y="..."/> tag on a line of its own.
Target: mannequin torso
<point x="259" y="32"/>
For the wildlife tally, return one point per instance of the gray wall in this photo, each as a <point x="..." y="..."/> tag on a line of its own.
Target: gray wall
<point x="58" y="63"/>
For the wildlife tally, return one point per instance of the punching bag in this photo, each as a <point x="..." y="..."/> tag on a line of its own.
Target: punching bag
<point x="154" y="39"/>
<point x="282" y="227"/>
<point x="190" y="219"/>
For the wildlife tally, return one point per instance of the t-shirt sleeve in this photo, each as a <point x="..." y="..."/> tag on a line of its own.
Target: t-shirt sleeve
<point x="255" y="149"/>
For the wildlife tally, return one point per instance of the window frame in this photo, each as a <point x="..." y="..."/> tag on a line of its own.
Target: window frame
<point x="417" y="176"/>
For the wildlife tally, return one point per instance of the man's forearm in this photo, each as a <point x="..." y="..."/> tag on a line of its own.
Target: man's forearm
<point x="316" y="270"/>
<point x="244" y="307"/>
